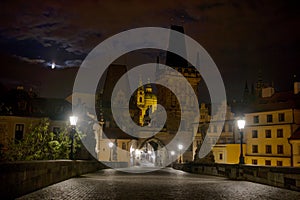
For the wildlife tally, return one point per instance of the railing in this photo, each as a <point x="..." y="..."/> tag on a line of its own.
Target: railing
<point x="284" y="177"/>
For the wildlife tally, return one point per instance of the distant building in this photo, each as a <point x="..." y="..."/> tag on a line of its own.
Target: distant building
<point x="270" y="122"/>
<point x="20" y="110"/>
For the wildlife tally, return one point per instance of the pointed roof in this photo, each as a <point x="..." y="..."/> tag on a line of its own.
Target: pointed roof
<point x="173" y="60"/>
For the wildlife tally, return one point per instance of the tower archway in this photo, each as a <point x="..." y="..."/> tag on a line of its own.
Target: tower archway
<point x="151" y="153"/>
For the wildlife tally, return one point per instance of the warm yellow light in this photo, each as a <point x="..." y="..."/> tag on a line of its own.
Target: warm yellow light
<point x="241" y="123"/>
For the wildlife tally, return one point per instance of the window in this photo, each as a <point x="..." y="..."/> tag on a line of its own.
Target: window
<point x="268" y="149"/>
<point x="280" y="133"/>
<point x="123" y="145"/>
<point x="254" y="149"/>
<point x="221" y="156"/>
<point x="269" y="118"/>
<point x="268" y="133"/>
<point x="268" y="162"/>
<point x="280" y="149"/>
<point x="215" y="129"/>
<point x="279" y="163"/>
<point x="254" y="133"/>
<point x="19" y="131"/>
<point x="254" y="162"/>
<point x="230" y="128"/>
<point x="281" y="117"/>
<point x="141" y="99"/>
<point x="256" y="119"/>
<point x="56" y="130"/>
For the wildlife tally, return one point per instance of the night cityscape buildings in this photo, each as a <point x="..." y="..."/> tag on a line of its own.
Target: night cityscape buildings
<point x="255" y="45"/>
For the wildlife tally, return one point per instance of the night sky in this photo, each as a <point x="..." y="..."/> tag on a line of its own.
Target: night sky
<point x="242" y="37"/>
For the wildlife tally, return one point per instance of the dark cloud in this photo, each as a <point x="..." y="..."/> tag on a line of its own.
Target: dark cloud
<point x="241" y="36"/>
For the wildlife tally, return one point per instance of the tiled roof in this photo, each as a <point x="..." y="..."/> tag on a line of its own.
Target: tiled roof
<point x="295" y="135"/>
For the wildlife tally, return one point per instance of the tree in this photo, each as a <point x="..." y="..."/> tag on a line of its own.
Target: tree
<point x="41" y="144"/>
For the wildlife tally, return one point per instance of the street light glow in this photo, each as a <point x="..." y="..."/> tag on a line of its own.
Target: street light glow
<point x="241" y="123"/>
<point x="180" y="146"/>
<point x="172" y="153"/>
<point x="73" y="120"/>
<point x="110" y="144"/>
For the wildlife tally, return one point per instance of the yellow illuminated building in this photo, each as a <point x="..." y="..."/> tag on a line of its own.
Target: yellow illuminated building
<point x="227" y="153"/>
<point x="146" y="102"/>
<point x="267" y="134"/>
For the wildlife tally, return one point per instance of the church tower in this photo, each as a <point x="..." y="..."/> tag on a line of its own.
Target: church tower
<point x="164" y="95"/>
<point x="146" y="102"/>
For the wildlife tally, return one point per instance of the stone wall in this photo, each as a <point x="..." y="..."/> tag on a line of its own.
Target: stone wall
<point x="19" y="178"/>
<point x="284" y="177"/>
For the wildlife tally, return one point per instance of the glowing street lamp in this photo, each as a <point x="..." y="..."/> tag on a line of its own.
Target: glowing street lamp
<point x="172" y="155"/>
<point x="110" y="147"/>
<point x="73" y="122"/>
<point x="241" y="125"/>
<point x="180" y="147"/>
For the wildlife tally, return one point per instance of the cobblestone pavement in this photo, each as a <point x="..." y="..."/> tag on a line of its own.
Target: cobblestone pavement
<point x="164" y="184"/>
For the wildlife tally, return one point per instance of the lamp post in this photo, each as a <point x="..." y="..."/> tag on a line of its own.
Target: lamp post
<point x="241" y="124"/>
<point x="172" y="155"/>
<point x="110" y="147"/>
<point x="73" y="121"/>
<point x="180" y="147"/>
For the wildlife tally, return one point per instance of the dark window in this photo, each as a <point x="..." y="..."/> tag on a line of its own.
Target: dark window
<point x="141" y="99"/>
<point x="268" y="149"/>
<point x="268" y="133"/>
<point x="215" y="129"/>
<point x="19" y="132"/>
<point x="221" y="156"/>
<point x="256" y="119"/>
<point x="268" y="162"/>
<point x="56" y="130"/>
<point x="280" y="133"/>
<point x="269" y="118"/>
<point x="124" y="145"/>
<point x="254" y="133"/>
<point x="281" y="117"/>
<point x="280" y="149"/>
<point x="279" y="163"/>
<point x="254" y="162"/>
<point x="254" y="149"/>
<point x="230" y="128"/>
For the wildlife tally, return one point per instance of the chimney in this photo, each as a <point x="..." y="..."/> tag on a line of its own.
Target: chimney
<point x="296" y="87"/>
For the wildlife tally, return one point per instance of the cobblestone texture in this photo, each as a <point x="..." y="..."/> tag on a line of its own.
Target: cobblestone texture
<point x="163" y="184"/>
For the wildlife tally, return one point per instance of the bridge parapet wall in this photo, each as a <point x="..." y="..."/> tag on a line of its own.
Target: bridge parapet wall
<point x="284" y="177"/>
<point x="22" y="177"/>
